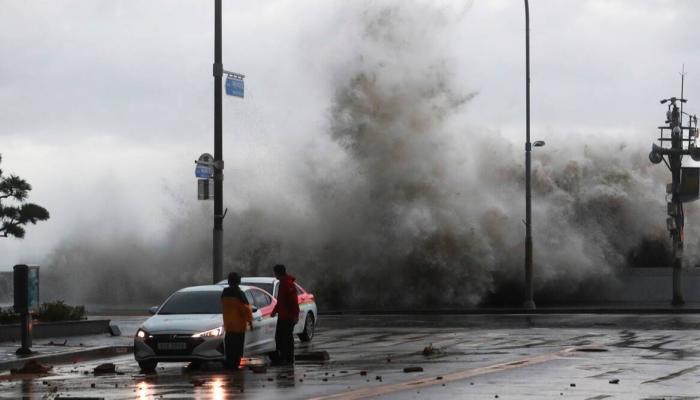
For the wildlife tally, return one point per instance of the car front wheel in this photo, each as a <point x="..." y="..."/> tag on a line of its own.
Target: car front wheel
<point x="308" y="333"/>
<point x="148" y="365"/>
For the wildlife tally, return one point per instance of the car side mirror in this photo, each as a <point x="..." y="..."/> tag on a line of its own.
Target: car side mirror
<point x="153" y="310"/>
<point x="255" y="309"/>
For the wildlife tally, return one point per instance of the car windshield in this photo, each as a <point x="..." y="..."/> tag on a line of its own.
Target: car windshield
<point x="193" y="302"/>
<point x="264" y="286"/>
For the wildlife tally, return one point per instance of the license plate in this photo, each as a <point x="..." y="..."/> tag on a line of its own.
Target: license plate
<point x="172" y="346"/>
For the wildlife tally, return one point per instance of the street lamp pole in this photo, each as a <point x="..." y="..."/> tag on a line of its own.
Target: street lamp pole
<point x="217" y="256"/>
<point x="529" y="291"/>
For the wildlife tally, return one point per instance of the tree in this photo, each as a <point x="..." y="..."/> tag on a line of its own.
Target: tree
<point x="14" y="217"/>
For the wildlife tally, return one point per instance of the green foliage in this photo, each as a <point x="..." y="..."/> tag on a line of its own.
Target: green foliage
<point x="14" y="217"/>
<point x="8" y="316"/>
<point x="59" y="311"/>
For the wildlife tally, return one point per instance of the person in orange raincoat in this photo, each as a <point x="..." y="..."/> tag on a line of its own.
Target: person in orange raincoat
<point x="237" y="317"/>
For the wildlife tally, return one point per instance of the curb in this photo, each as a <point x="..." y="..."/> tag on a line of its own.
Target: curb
<point x="69" y="357"/>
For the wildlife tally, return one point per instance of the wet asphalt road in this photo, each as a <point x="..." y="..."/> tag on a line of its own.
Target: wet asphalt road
<point x="474" y="356"/>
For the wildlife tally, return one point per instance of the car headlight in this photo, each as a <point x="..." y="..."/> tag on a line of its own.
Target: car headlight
<point x="141" y="334"/>
<point x="210" y="333"/>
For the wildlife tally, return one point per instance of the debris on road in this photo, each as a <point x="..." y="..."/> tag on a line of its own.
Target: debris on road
<point x="114" y="330"/>
<point x="428" y="350"/>
<point x="592" y="349"/>
<point x="107" y="368"/>
<point x="258" y="369"/>
<point x="197" y="382"/>
<point x="614" y="381"/>
<point x="52" y="343"/>
<point x="363" y="373"/>
<point x="413" y="369"/>
<point x="313" y="356"/>
<point x="32" y="367"/>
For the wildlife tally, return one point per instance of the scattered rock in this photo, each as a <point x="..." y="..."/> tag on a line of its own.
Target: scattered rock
<point x="378" y="377"/>
<point x="325" y="379"/>
<point x="439" y="378"/>
<point x="592" y="349"/>
<point x="92" y="385"/>
<point x="107" y="368"/>
<point x="32" y="367"/>
<point x="363" y="373"/>
<point x="258" y="369"/>
<point x="270" y="379"/>
<point x="114" y="330"/>
<point x="313" y="356"/>
<point x="428" y="350"/>
<point x="614" y="381"/>
<point x="413" y="369"/>
<point x="572" y="384"/>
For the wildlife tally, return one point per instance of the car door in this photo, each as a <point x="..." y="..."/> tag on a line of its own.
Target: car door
<point x="253" y="335"/>
<point x="265" y="303"/>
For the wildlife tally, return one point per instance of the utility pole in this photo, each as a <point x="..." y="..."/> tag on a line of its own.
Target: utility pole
<point x="684" y="180"/>
<point x="529" y="290"/>
<point x="218" y="251"/>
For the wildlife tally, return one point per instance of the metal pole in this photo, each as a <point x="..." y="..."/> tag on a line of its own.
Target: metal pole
<point x="26" y="334"/>
<point x="529" y="291"/>
<point x="217" y="256"/>
<point x="676" y="162"/>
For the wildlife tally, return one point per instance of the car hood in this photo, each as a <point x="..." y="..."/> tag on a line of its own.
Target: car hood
<point x="182" y="323"/>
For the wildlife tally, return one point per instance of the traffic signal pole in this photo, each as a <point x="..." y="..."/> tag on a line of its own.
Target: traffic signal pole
<point x="218" y="251"/>
<point x="684" y="180"/>
<point x="675" y="160"/>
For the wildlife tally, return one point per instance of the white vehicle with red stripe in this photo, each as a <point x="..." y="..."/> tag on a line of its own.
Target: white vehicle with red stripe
<point x="308" y="312"/>
<point x="188" y="327"/>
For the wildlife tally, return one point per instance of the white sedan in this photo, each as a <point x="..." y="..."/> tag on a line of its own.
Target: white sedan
<point x="188" y="327"/>
<point x="308" y="312"/>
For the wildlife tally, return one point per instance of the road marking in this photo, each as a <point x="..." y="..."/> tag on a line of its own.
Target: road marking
<point x="450" y="377"/>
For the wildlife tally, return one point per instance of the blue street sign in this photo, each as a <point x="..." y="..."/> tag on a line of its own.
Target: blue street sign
<point x="203" y="172"/>
<point x="234" y="86"/>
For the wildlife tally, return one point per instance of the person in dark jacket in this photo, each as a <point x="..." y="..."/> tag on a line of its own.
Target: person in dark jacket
<point x="237" y="317"/>
<point x="287" y="310"/>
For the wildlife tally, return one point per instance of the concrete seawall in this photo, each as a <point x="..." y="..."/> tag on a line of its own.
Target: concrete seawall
<point x="42" y="330"/>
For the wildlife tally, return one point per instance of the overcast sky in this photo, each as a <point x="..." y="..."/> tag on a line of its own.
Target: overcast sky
<point x="104" y="105"/>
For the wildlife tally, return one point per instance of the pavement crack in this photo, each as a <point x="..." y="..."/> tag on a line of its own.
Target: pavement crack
<point x="673" y="375"/>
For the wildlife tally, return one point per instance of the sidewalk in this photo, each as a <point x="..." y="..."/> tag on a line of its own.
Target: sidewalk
<point x="71" y="349"/>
